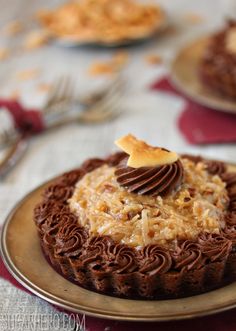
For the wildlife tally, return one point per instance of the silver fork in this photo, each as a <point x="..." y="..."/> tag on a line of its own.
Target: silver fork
<point x="68" y="110"/>
<point x="64" y="107"/>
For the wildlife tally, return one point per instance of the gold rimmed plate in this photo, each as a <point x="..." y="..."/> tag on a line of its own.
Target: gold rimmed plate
<point x="185" y="76"/>
<point x="24" y="259"/>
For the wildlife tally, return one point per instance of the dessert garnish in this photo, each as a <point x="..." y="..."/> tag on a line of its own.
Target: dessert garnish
<point x="102" y="21"/>
<point x="143" y="155"/>
<point x="147" y="169"/>
<point x="231" y="40"/>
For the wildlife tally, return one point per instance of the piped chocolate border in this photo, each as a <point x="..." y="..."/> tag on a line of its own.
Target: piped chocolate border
<point x="153" y="272"/>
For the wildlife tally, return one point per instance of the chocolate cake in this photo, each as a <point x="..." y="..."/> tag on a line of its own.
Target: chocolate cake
<point x="218" y="63"/>
<point x="142" y="223"/>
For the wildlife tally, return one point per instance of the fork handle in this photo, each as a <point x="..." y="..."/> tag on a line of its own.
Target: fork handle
<point x="13" y="155"/>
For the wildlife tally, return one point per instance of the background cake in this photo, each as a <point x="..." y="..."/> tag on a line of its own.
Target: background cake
<point x="143" y="223"/>
<point x="218" y="64"/>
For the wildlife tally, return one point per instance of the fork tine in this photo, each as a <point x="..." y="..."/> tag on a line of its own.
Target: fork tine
<point x="117" y="85"/>
<point x="54" y="92"/>
<point x="108" y="102"/>
<point x="113" y="92"/>
<point x="96" y="116"/>
<point x="68" y="91"/>
<point x="62" y="90"/>
<point x="111" y="107"/>
<point x="107" y="108"/>
<point x="96" y="96"/>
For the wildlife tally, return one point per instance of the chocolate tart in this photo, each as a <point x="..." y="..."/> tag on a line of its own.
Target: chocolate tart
<point x="218" y="63"/>
<point x="152" y="271"/>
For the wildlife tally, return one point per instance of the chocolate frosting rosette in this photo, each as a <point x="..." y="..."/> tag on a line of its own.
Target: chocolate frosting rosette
<point x="154" y="181"/>
<point x="148" y="170"/>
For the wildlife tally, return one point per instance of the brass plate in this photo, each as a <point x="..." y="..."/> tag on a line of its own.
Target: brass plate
<point x="23" y="257"/>
<point x="184" y="74"/>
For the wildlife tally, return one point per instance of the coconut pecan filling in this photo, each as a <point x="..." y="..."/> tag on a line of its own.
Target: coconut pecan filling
<point x="106" y="208"/>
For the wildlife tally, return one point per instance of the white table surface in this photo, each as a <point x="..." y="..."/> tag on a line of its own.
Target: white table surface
<point x="150" y="116"/>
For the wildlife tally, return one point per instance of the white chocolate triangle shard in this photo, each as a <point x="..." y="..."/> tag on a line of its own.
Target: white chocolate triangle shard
<point x="143" y="155"/>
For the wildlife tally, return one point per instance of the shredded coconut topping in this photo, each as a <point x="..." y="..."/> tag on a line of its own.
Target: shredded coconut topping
<point x="105" y="208"/>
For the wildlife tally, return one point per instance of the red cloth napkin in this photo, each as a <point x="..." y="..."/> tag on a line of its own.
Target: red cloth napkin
<point x="199" y="124"/>
<point x="221" y="322"/>
<point x="27" y="121"/>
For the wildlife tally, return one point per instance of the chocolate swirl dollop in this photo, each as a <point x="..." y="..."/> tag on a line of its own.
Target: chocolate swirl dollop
<point x="214" y="246"/>
<point x="152" y="181"/>
<point x="155" y="260"/>
<point x="187" y="256"/>
<point x="44" y="210"/>
<point x="71" y="177"/>
<point x="230" y="233"/>
<point x="70" y="239"/>
<point x="58" y="192"/>
<point x="215" y="167"/>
